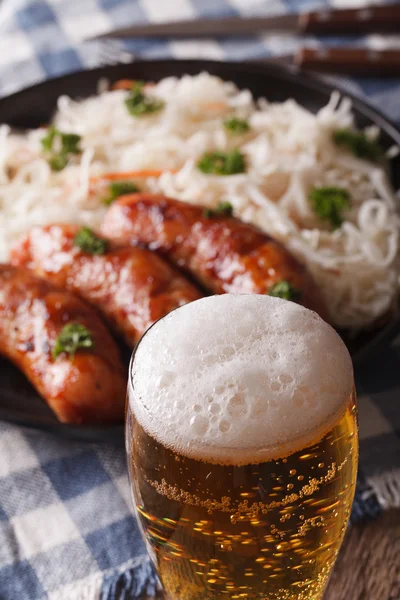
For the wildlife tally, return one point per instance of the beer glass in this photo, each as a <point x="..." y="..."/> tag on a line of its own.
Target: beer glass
<point x="241" y="436"/>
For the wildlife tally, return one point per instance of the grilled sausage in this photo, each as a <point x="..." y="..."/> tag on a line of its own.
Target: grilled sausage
<point x="132" y="287"/>
<point x="88" y="387"/>
<point x="223" y="253"/>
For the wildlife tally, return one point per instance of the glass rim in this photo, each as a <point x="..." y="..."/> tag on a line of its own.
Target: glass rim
<point x="133" y="354"/>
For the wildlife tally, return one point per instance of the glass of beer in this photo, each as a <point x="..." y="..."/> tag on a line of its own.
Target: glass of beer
<point x="242" y="448"/>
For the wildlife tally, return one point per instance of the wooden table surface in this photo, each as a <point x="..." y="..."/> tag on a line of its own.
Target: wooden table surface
<point x="368" y="567"/>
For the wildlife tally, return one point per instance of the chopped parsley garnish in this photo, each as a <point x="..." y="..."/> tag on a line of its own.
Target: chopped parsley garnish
<point x="58" y="162"/>
<point x="285" y="290"/>
<point x="72" y="337"/>
<point x="59" y="146"/>
<point x="138" y="103"/>
<point x="222" y="163"/>
<point x="358" y="144"/>
<point x="120" y="188"/>
<point x="329" y="203"/>
<point x="89" y="242"/>
<point x="235" y="125"/>
<point x="224" y="209"/>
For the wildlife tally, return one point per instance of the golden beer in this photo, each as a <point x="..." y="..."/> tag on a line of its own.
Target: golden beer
<point x="219" y="525"/>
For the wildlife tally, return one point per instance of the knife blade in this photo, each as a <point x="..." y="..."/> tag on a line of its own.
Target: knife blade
<point x="368" y="19"/>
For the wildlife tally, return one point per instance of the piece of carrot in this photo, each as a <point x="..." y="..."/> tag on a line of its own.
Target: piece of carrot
<point x="215" y="106"/>
<point x="131" y="175"/>
<point x="127" y="84"/>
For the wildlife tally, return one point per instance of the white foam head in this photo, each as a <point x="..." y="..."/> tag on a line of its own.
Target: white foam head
<point x="240" y="378"/>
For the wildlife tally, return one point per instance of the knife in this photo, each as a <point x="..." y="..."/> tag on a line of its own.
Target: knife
<point x="349" y="61"/>
<point x="369" y="19"/>
<point x="343" y="60"/>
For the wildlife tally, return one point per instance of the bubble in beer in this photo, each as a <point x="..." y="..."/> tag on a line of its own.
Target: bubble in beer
<point x="237" y="379"/>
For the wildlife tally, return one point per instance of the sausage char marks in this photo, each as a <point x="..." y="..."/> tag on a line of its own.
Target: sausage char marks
<point x="87" y="387"/>
<point x="132" y="287"/>
<point x="223" y="253"/>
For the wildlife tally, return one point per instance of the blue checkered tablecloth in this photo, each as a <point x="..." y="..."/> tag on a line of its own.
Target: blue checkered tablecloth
<point x="67" y="531"/>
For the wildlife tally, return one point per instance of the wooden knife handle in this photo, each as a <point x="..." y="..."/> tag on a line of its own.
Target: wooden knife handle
<point x="350" y="61"/>
<point x="368" y="19"/>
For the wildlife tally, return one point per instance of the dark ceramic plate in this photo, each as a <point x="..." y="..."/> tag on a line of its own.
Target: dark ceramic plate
<point x="34" y="106"/>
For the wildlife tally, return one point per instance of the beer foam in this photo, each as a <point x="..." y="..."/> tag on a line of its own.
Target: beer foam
<point x="239" y="379"/>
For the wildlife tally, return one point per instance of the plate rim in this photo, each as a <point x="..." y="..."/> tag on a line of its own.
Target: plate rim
<point x="289" y="72"/>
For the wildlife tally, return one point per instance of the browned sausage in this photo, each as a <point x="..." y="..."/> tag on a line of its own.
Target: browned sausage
<point x="132" y="287"/>
<point x="87" y="387"/>
<point x="223" y="253"/>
